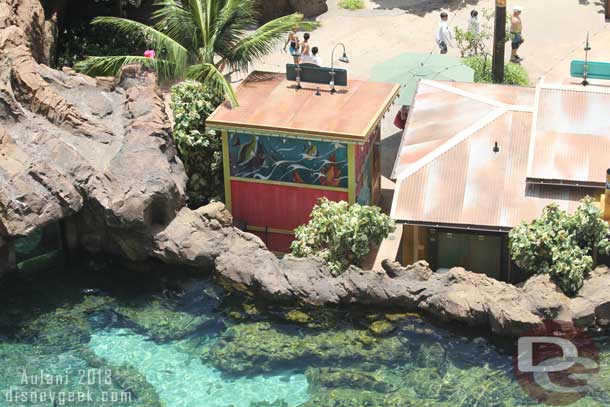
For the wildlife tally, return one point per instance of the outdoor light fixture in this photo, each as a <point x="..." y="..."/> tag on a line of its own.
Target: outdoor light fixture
<point x="343" y="58"/>
<point x="496" y="148"/>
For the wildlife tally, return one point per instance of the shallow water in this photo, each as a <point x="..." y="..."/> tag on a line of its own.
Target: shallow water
<point x="115" y="337"/>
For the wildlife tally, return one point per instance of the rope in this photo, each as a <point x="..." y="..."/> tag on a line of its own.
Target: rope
<point x="423" y="64"/>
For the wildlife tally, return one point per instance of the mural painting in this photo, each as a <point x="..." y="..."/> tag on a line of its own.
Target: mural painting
<point x="280" y="159"/>
<point x="364" y="187"/>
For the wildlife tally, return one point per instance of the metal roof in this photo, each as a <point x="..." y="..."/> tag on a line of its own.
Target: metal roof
<point x="571" y="144"/>
<point x="447" y="172"/>
<point x="270" y="103"/>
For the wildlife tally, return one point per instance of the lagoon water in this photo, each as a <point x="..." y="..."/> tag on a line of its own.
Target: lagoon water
<point x="115" y="337"/>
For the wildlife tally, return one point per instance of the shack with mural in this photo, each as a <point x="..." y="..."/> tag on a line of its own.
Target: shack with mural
<point x="283" y="148"/>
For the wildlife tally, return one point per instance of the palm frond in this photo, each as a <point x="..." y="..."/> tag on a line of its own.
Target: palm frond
<point x="232" y="23"/>
<point x="177" y="22"/>
<point x="211" y="77"/>
<point x="111" y="65"/>
<point x="199" y="18"/>
<point x="159" y="41"/>
<point x="262" y="41"/>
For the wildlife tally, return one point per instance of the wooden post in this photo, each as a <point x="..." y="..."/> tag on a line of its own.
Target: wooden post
<point x="608" y="9"/>
<point x="497" y="64"/>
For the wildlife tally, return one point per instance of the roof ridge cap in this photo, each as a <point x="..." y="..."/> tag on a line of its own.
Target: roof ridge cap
<point x="452" y="142"/>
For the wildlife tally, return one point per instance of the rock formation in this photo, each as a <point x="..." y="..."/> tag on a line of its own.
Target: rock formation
<point x="29" y="15"/>
<point x="204" y="238"/>
<point x="71" y="144"/>
<point x="270" y="9"/>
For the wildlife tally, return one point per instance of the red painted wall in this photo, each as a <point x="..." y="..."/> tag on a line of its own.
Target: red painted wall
<point x="276" y="206"/>
<point x="276" y="242"/>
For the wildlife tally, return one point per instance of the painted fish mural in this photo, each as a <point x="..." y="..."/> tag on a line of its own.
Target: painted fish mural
<point x="285" y="159"/>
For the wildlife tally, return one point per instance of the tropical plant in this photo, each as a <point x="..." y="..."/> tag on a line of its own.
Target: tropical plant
<point x="341" y="234"/>
<point x="351" y="4"/>
<point x="514" y="74"/>
<point x="469" y="43"/>
<point x="561" y="244"/>
<point x="200" y="149"/>
<point x="198" y="39"/>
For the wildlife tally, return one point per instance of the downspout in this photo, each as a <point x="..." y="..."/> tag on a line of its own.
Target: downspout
<point x="606" y="207"/>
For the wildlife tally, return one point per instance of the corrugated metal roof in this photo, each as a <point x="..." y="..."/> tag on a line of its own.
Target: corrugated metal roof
<point x="269" y="102"/>
<point x="572" y="138"/>
<point x="467" y="184"/>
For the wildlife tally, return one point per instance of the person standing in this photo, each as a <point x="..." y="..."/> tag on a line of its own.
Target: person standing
<point x="444" y="37"/>
<point x="516" y="32"/>
<point x="474" y="26"/>
<point x="305" y="50"/>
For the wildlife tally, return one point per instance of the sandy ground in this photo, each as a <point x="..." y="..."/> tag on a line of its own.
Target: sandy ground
<point x="554" y="33"/>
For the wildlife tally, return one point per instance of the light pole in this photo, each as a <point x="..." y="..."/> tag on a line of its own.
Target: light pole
<point x="497" y="63"/>
<point x="343" y="58"/>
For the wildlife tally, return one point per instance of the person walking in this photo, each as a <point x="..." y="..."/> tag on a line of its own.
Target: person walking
<point x="516" y="32"/>
<point x="294" y="42"/>
<point x="444" y="37"/>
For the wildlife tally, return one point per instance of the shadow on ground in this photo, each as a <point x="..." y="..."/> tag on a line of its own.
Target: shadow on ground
<point x="423" y="7"/>
<point x="389" y="150"/>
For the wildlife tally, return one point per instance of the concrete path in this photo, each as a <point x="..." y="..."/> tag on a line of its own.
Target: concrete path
<point x="554" y="32"/>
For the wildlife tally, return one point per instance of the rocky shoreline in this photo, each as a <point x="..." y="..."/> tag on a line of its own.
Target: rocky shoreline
<point x="97" y="155"/>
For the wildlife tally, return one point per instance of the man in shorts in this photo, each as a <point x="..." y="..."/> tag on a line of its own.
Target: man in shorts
<point x="516" y="28"/>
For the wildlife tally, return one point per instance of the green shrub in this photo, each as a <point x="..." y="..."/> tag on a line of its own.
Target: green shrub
<point x="352" y="4"/>
<point x="82" y="40"/>
<point x="514" y="74"/>
<point x="341" y="234"/>
<point x="200" y="149"/>
<point x="561" y="244"/>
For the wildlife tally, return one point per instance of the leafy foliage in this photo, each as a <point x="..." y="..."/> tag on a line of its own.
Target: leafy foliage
<point x="352" y="4"/>
<point x="82" y="40"/>
<point x="561" y="244"/>
<point x="471" y="44"/>
<point x="200" y="149"/>
<point x="198" y="39"/>
<point x="514" y="74"/>
<point x="341" y="234"/>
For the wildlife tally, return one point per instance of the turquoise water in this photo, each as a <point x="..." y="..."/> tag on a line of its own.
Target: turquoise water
<point x="184" y="381"/>
<point x="117" y="337"/>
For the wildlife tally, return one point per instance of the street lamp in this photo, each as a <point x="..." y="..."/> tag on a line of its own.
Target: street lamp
<point x="343" y="58"/>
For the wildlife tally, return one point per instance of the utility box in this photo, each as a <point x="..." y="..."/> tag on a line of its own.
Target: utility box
<point x="284" y="148"/>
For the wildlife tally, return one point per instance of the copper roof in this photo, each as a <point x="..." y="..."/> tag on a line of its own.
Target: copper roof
<point x="572" y="137"/>
<point x="447" y="172"/>
<point x="268" y="102"/>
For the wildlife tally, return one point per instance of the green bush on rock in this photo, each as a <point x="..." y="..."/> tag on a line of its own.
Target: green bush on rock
<point x="341" y="234"/>
<point x="561" y="244"/>
<point x="200" y="149"/>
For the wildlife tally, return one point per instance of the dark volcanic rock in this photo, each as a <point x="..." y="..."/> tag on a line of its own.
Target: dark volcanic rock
<point x="68" y="146"/>
<point x="243" y="262"/>
<point x="270" y="9"/>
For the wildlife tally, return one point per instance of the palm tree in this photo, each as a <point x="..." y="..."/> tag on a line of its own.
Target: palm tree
<point x="198" y="39"/>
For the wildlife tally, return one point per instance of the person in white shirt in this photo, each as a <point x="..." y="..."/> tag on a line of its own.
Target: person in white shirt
<point x="313" y="58"/>
<point x="444" y="37"/>
<point x="474" y="26"/>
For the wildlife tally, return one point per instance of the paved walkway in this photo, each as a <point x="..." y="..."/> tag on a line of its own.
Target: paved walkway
<point x="554" y="31"/>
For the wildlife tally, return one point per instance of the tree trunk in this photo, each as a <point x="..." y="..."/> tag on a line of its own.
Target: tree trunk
<point x="497" y="66"/>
